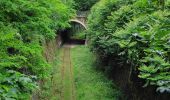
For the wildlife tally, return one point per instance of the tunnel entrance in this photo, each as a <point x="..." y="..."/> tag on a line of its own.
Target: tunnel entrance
<point x="76" y="34"/>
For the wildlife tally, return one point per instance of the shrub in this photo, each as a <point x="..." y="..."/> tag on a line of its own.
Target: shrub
<point x="24" y="25"/>
<point x="135" y="32"/>
<point x="84" y="5"/>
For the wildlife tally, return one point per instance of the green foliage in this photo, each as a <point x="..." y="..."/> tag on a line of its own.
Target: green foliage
<point x="79" y="35"/>
<point x="24" y="25"/>
<point x="89" y="83"/>
<point x="77" y="32"/>
<point x="84" y="5"/>
<point x="135" y="32"/>
<point x="145" y="41"/>
<point x="15" y="82"/>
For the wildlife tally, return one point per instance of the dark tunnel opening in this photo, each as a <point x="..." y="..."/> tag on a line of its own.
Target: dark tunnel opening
<point x="74" y="35"/>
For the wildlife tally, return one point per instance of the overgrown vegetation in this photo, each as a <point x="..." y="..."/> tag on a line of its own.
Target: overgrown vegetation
<point x="84" y="5"/>
<point x="24" y="26"/>
<point x="125" y="32"/>
<point x="77" y="32"/>
<point x="53" y="87"/>
<point x="89" y="83"/>
<point x="134" y="33"/>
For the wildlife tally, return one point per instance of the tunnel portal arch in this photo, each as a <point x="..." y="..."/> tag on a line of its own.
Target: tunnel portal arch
<point x="79" y="22"/>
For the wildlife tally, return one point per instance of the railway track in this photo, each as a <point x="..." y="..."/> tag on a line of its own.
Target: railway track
<point x="68" y="89"/>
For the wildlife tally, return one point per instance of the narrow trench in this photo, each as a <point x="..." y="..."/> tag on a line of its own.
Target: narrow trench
<point x="75" y="78"/>
<point x="68" y="82"/>
<point x="66" y="68"/>
<point x="75" y="72"/>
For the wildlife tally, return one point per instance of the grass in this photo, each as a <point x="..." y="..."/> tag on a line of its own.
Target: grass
<point x="56" y="84"/>
<point x="52" y="87"/>
<point x="90" y="84"/>
<point x="61" y="85"/>
<point x="67" y="76"/>
<point x="79" y="35"/>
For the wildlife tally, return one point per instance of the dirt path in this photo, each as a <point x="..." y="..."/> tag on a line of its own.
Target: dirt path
<point x="68" y="91"/>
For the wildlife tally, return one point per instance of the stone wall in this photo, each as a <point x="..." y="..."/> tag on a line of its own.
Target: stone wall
<point x="50" y="48"/>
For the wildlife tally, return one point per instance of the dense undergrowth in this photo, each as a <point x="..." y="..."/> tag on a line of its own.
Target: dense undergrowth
<point x="84" y="5"/>
<point x="134" y="33"/>
<point x="90" y="84"/>
<point x="24" y="26"/>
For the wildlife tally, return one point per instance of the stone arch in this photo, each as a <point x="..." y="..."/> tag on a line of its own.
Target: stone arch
<point x="79" y="22"/>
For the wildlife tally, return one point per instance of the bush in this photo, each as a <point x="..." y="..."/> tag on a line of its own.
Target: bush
<point x="24" y="25"/>
<point x="84" y="5"/>
<point x="135" y="32"/>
